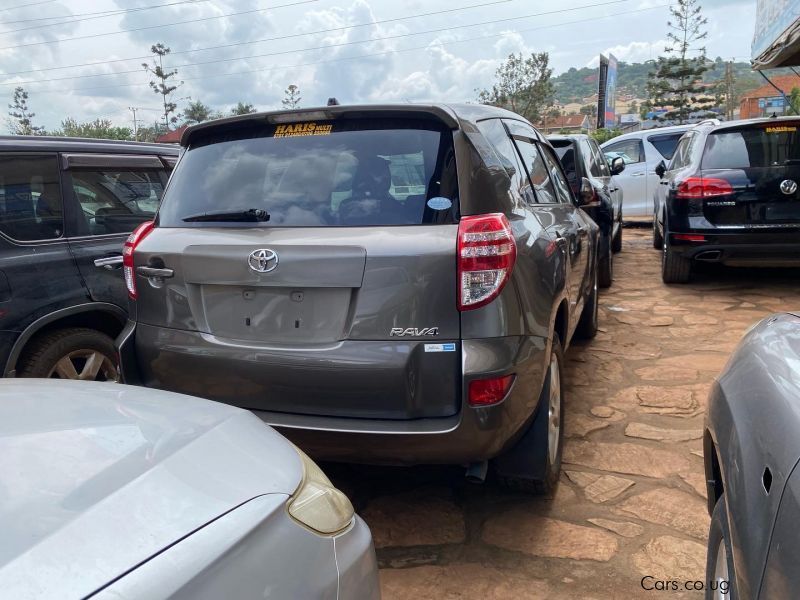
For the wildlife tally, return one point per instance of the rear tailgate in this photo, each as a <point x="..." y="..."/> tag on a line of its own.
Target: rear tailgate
<point x="761" y="164"/>
<point x="342" y="304"/>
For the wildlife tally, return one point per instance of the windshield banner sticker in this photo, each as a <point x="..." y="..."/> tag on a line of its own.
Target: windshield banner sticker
<point x="302" y="129"/>
<point x="783" y="129"/>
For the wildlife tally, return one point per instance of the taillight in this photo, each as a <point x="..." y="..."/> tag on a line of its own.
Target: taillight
<point x="486" y="256"/>
<point x="703" y="187"/>
<point x="483" y="392"/>
<point x="127" y="255"/>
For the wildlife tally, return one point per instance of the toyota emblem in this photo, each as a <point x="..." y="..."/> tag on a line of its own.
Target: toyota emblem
<point x="788" y="187"/>
<point x="263" y="260"/>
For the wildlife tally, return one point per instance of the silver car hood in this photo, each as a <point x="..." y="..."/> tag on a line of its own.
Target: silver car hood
<point x="96" y="478"/>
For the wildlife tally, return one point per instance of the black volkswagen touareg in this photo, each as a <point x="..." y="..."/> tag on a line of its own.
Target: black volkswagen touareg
<point x="730" y="195"/>
<point x="388" y="283"/>
<point x="66" y="207"/>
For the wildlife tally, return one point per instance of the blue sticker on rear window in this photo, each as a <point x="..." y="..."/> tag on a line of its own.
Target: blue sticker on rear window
<point x="439" y="203"/>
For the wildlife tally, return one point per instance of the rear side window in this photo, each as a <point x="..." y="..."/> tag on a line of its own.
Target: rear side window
<point x="538" y="172"/>
<point x="341" y="173"/>
<point x="631" y="151"/>
<point x="116" y="201"/>
<point x="752" y="147"/>
<point x="567" y="152"/>
<point x="496" y="134"/>
<point x="665" y="144"/>
<point x="30" y="198"/>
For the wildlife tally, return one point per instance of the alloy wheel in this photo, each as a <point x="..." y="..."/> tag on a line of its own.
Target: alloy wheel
<point x="85" y="365"/>
<point x="721" y="576"/>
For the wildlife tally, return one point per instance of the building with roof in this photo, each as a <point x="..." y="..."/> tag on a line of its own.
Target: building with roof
<point x="564" y="124"/>
<point x="173" y="136"/>
<point x="766" y="100"/>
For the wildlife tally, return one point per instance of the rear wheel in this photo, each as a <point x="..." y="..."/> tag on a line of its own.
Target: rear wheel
<point x="674" y="267"/>
<point x="534" y="464"/>
<point x="720" y="574"/>
<point x="616" y="243"/>
<point x="605" y="265"/>
<point x="658" y="239"/>
<point x="75" y="353"/>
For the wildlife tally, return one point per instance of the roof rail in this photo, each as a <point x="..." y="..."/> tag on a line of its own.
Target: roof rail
<point x="710" y="122"/>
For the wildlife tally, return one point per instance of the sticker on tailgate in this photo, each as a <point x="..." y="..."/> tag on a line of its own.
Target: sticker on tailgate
<point x="440" y="347"/>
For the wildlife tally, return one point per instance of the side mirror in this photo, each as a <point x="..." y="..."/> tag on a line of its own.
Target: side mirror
<point x="661" y="168"/>
<point x="617" y="165"/>
<point x="588" y="197"/>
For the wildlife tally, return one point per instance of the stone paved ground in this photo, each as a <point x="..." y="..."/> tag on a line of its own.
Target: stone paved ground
<point x="631" y="499"/>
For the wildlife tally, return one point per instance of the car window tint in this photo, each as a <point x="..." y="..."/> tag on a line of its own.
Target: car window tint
<point x="630" y="150"/>
<point x="679" y="157"/>
<point x="116" y="201"/>
<point x="496" y="134"/>
<point x="353" y="172"/>
<point x="559" y="181"/>
<point x="538" y="172"/>
<point x="30" y="198"/>
<point x="666" y="144"/>
<point x="754" y="147"/>
<point x="567" y="153"/>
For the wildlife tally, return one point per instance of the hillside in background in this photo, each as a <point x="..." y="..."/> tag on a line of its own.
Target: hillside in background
<point x="576" y="84"/>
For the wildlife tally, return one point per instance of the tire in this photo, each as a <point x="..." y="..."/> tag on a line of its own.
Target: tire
<point x="719" y="559"/>
<point x="90" y="353"/>
<point x="658" y="239"/>
<point x="533" y="465"/>
<point x="674" y="267"/>
<point x="587" y="326"/>
<point x="605" y="264"/>
<point x="616" y="243"/>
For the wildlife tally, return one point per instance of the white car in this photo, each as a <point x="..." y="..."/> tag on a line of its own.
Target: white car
<point x="642" y="151"/>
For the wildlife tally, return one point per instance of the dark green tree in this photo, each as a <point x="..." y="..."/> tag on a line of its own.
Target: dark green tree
<point x="523" y="86"/>
<point x="163" y="83"/>
<point x="677" y="82"/>
<point x="20" y="120"/>
<point x="243" y="108"/>
<point x="197" y="112"/>
<point x="99" y="129"/>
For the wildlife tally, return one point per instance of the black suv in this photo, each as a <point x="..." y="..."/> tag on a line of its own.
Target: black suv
<point x="730" y="196"/>
<point x="588" y="171"/>
<point x="387" y="283"/>
<point x="66" y="208"/>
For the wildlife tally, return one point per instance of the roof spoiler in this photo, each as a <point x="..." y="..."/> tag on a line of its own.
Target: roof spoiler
<point x="325" y="113"/>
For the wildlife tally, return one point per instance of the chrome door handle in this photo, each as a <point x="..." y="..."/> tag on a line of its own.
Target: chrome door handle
<point x="109" y="262"/>
<point x="638" y="174"/>
<point x="154" y="272"/>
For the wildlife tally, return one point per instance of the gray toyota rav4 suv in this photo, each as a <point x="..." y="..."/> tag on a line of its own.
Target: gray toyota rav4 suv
<point x="389" y="283"/>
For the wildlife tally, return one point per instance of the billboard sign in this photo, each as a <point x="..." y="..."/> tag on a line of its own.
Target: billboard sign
<point x="607" y="92"/>
<point x="776" y="41"/>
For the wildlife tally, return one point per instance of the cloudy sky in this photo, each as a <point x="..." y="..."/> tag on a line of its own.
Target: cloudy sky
<point x="83" y="58"/>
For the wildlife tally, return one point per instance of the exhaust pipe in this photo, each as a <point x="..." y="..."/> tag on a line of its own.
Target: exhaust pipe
<point x="709" y="256"/>
<point x="476" y="472"/>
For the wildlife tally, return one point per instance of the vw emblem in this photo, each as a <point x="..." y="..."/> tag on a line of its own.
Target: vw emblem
<point x="263" y="260"/>
<point x="788" y="187"/>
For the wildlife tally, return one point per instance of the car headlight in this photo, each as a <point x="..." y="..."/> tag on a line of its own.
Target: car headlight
<point x="317" y="504"/>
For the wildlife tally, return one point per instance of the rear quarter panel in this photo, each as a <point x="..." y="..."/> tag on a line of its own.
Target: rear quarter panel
<point x="753" y="419"/>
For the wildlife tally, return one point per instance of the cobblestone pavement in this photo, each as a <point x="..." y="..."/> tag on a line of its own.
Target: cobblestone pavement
<point x="631" y="501"/>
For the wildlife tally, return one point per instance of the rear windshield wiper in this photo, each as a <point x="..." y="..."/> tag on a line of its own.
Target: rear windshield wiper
<point x="236" y="216"/>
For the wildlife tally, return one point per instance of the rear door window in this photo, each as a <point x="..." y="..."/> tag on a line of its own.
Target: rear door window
<point x="538" y="171"/>
<point x="495" y="133"/>
<point x="364" y="172"/>
<point x="666" y="144"/>
<point x="30" y="197"/>
<point x="115" y="201"/>
<point x="566" y="151"/>
<point x="631" y="151"/>
<point x="752" y="147"/>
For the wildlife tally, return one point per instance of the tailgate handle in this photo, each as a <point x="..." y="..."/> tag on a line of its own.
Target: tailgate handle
<point x="154" y="272"/>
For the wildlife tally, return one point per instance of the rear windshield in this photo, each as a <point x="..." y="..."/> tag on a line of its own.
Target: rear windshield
<point x="666" y="144"/>
<point x="752" y="147"/>
<point x="323" y="174"/>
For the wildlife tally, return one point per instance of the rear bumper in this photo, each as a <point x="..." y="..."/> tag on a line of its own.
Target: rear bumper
<point x="741" y="249"/>
<point x="471" y="434"/>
